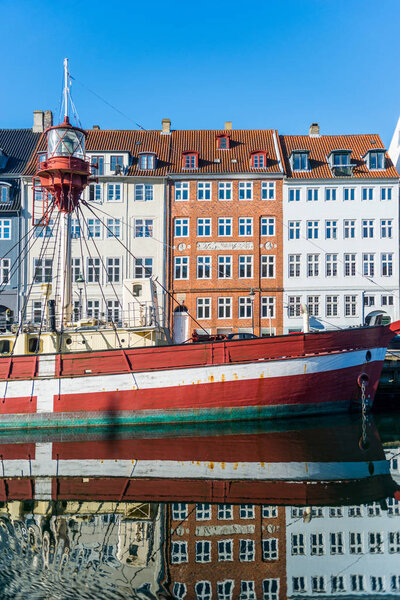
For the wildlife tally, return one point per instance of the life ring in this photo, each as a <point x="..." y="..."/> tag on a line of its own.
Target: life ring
<point x="363" y="379"/>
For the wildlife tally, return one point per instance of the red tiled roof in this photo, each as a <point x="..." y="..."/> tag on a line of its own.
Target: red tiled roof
<point x="321" y="147"/>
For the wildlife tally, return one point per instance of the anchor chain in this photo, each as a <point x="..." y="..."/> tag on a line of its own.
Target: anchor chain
<point x="364" y="415"/>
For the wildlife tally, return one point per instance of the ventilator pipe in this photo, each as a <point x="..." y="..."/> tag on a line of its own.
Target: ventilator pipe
<point x="306" y="318"/>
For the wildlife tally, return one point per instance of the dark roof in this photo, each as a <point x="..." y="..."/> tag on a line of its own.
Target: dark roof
<point x="19" y="145"/>
<point x="321" y="147"/>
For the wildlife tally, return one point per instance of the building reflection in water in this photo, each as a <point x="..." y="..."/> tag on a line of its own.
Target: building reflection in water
<point x="248" y="512"/>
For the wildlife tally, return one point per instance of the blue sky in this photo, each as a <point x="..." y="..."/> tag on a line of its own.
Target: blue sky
<point x="260" y="64"/>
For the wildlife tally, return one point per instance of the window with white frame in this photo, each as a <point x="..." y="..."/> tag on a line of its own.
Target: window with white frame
<point x="386" y="300"/>
<point x="331" y="265"/>
<point x="181" y="191"/>
<point x="116" y="164"/>
<point x="312" y="265"/>
<point x="395" y="583"/>
<point x="312" y="230"/>
<point x="294" y="194"/>
<point x="355" y="511"/>
<point x="203" y="551"/>
<point x="373" y="509"/>
<point x="143" y="228"/>
<point x="203" y="308"/>
<point x="369" y="300"/>
<point x="299" y="584"/>
<point x="204" y="227"/>
<point x="268" y="266"/>
<point x="224" y="307"/>
<point x="143" y="192"/>
<point x="337" y="542"/>
<point x="337" y="583"/>
<point x="387" y="264"/>
<point x="367" y="228"/>
<point x="203" y="590"/>
<point x="5" y="264"/>
<point x="246" y="511"/>
<point x="258" y="160"/>
<point x="113" y="311"/>
<point x="368" y="262"/>
<point x="203" y="512"/>
<point x="269" y="511"/>
<point x="312" y="194"/>
<point x="93" y="309"/>
<point x="294" y="265"/>
<point x="75" y="229"/>
<point x="298" y="544"/>
<point x="332" y="304"/>
<point x="317" y="544"/>
<point x="330" y="194"/>
<point x="147" y="162"/>
<point x="95" y="192"/>
<point x="349" y="228"/>
<point x="225" y="512"/>
<point x="5" y="229"/>
<point x="357" y="583"/>
<point x="94" y="228"/>
<point x="367" y="193"/>
<point x="113" y="266"/>
<point x="204" y="267"/>
<point x="246" y="266"/>
<point x="224" y="190"/>
<point x="317" y="512"/>
<point x="113" y="228"/>
<point x="245" y="190"/>
<point x="181" y="267"/>
<point x="37" y="311"/>
<point x="350" y="306"/>
<point x="318" y="584"/>
<point x="225" y="226"/>
<point x="268" y="190"/>
<point x="294" y="230"/>
<point x="181" y="227"/>
<point x="179" y="590"/>
<point x="245" y="307"/>
<point x="270" y="589"/>
<point x="297" y="512"/>
<point x="245" y="226"/>
<point x="114" y="192"/>
<point x="44" y="230"/>
<point x="93" y="270"/>
<point x="204" y="190"/>
<point x="268" y="226"/>
<point x="349" y="265"/>
<point x="225" y="550"/>
<point x="294" y="306"/>
<point x="376" y="160"/>
<point x="225" y="589"/>
<point x="247" y="590"/>
<point x="393" y="506"/>
<point x="143" y="267"/>
<point x="394" y="542"/>
<point x="179" y="553"/>
<point x="377" y="583"/>
<point x="386" y="193"/>
<point x="331" y="230"/>
<point x="267" y="307"/>
<point x="336" y="511"/>
<point x="313" y="306"/>
<point x="270" y="549"/>
<point x="179" y="511"/>
<point x="355" y="542"/>
<point x="224" y="267"/>
<point x="43" y="270"/>
<point x="386" y="228"/>
<point x="349" y="193"/>
<point x="247" y="550"/>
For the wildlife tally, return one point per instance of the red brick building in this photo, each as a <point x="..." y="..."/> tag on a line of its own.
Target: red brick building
<point x="226" y="551"/>
<point x="225" y="216"/>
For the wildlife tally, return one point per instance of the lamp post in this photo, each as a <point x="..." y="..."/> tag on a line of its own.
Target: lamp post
<point x="79" y="281"/>
<point x="252" y="296"/>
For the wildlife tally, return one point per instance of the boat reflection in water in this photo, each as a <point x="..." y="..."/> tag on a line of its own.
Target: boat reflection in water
<point x="275" y="508"/>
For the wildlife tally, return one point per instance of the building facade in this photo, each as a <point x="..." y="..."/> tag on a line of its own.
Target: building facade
<point x="341" y="238"/>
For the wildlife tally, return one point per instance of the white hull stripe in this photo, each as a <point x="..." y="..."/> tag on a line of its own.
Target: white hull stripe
<point x="46" y="389"/>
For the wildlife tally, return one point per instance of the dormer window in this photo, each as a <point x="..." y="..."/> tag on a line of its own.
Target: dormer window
<point x="190" y="160"/>
<point x="223" y="142"/>
<point x="341" y="159"/>
<point x="376" y="159"/>
<point x="147" y="161"/>
<point x="340" y="162"/>
<point x="3" y="159"/>
<point x="5" y="193"/>
<point x="116" y="165"/>
<point x="300" y="160"/>
<point x="258" y="160"/>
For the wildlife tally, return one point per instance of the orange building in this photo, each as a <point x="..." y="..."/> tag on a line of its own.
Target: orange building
<point x="226" y="551"/>
<point x="225" y="216"/>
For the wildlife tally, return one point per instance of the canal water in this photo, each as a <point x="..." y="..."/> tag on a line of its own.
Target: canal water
<point x="266" y="511"/>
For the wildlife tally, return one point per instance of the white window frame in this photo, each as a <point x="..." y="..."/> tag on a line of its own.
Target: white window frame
<point x="203" y="308"/>
<point x="204" y="188"/>
<point x="245" y="190"/>
<point x="181" y="191"/>
<point x="225" y="191"/>
<point x="181" y="224"/>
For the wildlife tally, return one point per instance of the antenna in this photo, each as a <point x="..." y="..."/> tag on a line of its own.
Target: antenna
<point x="66" y="88"/>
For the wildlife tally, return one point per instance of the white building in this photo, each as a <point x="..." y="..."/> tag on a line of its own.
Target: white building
<point x="341" y="230"/>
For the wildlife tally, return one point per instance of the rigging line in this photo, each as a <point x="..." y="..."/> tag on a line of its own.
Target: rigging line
<point x="83" y="261"/>
<point x="59" y="245"/>
<point x="108" y="103"/>
<point x="32" y="229"/>
<point x="151" y="274"/>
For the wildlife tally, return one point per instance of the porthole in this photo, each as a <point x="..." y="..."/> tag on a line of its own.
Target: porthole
<point x="68" y="341"/>
<point x="368" y="356"/>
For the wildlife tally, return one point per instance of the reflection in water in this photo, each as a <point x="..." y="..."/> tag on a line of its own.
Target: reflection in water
<point x="245" y="511"/>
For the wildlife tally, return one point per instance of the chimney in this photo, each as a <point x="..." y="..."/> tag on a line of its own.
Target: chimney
<point x="228" y="125"/>
<point x="166" y="126"/>
<point x="314" y="130"/>
<point x="48" y="119"/>
<point x="38" y="123"/>
<point x="96" y="127"/>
